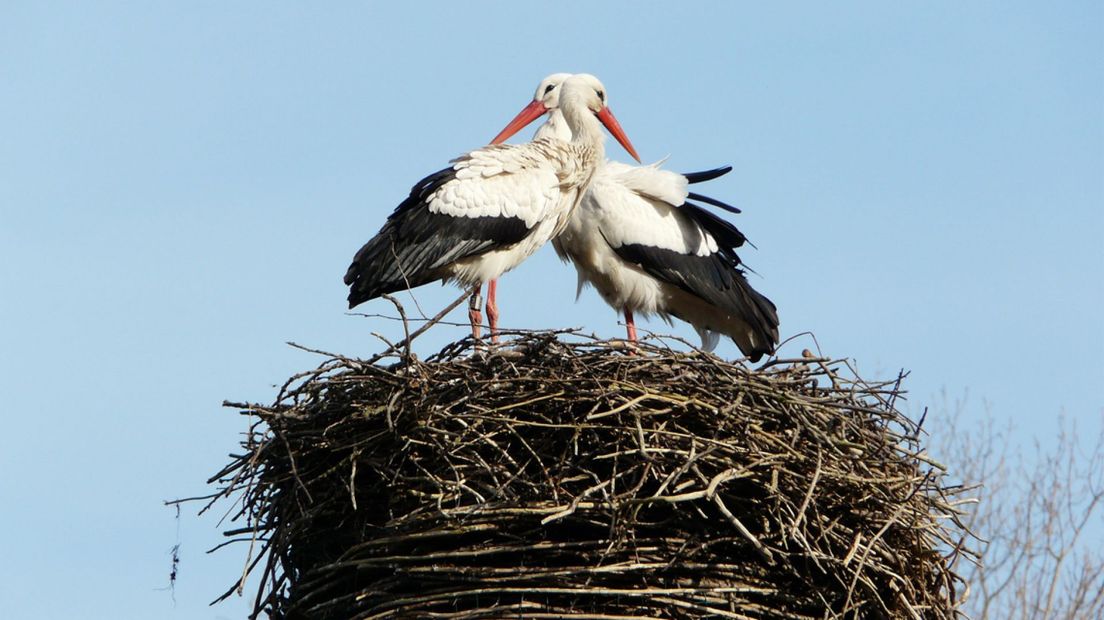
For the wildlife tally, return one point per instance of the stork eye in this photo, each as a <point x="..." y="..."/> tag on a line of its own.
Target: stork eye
<point x="549" y="88"/>
<point x="601" y="96"/>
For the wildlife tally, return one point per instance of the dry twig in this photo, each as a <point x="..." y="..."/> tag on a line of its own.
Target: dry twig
<point x="558" y="477"/>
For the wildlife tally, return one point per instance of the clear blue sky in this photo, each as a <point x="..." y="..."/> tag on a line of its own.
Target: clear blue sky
<point x="183" y="185"/>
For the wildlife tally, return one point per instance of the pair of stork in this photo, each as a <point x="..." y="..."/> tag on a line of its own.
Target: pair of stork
<point x="630" y="230"/>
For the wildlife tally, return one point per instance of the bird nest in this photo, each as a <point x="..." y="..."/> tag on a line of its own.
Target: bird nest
<point x="561" y="477"/>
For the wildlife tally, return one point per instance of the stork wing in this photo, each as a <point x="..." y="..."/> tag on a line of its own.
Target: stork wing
<point x="455" y="213"/>
<point x="686" y="246"/>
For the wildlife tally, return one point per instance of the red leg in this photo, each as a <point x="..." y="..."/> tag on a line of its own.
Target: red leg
<point x="630" y="326"/>
<point x="492" y="309"/>
<point x="474" y="315"/>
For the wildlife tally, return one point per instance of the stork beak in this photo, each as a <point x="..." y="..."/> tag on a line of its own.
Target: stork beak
<point x="614" y="128"/>
<point x="532" y="112"/>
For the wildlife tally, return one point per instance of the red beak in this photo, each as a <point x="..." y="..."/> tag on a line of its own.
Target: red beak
<point x="606" y="116"/>
<point x="532" y="112"/>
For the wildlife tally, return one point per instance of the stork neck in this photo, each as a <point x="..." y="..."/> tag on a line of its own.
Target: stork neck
<point x="555" y="127"/>
<point x="584" y="125"/>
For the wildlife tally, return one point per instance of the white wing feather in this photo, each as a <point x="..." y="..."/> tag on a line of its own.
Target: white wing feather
<point x="628" y="211"/>
<point x="500" y="182"/>
<point x="648" y="181"/>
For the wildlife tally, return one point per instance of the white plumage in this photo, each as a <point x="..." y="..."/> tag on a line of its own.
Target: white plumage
<point x="491" y="209"/>
<point x="534" y="186"/>
<point x="646" y="250"/>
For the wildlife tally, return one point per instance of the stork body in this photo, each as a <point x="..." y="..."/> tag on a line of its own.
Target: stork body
<point x="489" y="211"/>
<point x="648" y="251"/>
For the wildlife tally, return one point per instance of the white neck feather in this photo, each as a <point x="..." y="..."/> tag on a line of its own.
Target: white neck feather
<point x="554" y="128"/>
<point x="583" y="124"/>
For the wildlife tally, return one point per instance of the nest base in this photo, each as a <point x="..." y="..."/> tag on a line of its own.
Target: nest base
<point x="563" y="478"/>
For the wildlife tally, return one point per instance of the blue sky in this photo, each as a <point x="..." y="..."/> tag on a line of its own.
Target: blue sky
<point x="183" y="185"/>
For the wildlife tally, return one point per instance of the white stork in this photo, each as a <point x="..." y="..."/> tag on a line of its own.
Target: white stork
<point x="491" y="209"/>
<point x="647" y="250"/>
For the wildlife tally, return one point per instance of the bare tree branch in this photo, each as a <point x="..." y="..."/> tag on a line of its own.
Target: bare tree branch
<point x="1035" y="514"/>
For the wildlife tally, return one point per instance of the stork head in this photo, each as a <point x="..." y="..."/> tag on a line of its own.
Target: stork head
<point x="584" y="91"/>
<point x="545" y="99"/>
<point x="548" y="91"/>
<point x="580" y="91"/>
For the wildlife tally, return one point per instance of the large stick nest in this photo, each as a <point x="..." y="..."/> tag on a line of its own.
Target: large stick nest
<point x="559" y="477"/>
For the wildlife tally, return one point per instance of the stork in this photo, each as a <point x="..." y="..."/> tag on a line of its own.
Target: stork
<point x="492" y="208"/>
<point x="646" y="250"/>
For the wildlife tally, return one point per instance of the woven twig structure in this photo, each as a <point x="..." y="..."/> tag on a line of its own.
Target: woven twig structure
<point x="560" y="477"/>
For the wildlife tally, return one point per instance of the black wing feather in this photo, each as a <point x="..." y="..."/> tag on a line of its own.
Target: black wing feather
<point x="709" y="175"/>
<point x="726" y="234"/>
<point x="415" y="244"/>
<point x="714" y="202"/>
<point x="706" y="175"/>
<point x="716" y="278"/>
